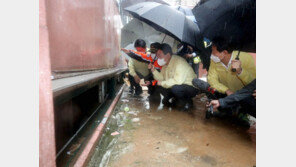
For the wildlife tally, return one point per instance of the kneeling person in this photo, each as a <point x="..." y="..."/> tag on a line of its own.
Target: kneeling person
<point x="137" y="69"/>
<point x="175" y="77"/>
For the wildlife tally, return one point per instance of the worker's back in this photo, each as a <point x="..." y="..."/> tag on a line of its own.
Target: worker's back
<point x="139" y="67"/>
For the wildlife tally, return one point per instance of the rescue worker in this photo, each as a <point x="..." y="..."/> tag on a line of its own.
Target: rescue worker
<point x="153" y="59"/>
<point x="138" y="67"/>
<point x="175" y="77"/>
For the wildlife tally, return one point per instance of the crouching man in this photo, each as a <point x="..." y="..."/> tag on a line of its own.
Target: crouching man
<point x="227" y="81"/>
<point x="175" y="77"/>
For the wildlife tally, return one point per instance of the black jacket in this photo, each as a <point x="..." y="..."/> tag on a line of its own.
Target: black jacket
<point x="239" y="96"/>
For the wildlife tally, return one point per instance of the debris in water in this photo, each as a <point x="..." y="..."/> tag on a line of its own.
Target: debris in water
<point x="181" y="149"/>
<point x="76" y="146"/>
<point x="125" y="100"/>
<point x="133" y="113"/>
<point x="73" y="148"/>
<point x="135" y="119"/>
<point x="126" y="109"/>
<point x="115" y="133"/>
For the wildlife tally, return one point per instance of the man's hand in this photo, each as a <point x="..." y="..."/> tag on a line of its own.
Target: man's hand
<point x="188" y="55"/>
<point x="125" y="50"/>
<point x="254" y="94"/>
<point x="229" y="92"/>
<point x="151" y="67"/>
<point x="147" y="83"/>
<point x="159" y="83"/>
<point x="236" y="64"/>
<point x="214" y="103"/>
<point x="137" y="79"/>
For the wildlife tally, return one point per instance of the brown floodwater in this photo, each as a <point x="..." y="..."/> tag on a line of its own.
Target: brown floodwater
<point x="152" y="135"/>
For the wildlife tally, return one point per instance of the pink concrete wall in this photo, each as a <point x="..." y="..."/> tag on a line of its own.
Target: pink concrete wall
<point x="82" y="34"/>
<point x="46" y="115"/>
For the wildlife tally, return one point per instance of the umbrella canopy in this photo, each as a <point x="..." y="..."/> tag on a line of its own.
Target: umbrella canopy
<point x="167" y="20"/>
<point x="231" y="20"/>
<point x="127" y="3"/>
<point x="186" y="11"/>
<point x="136" y="29"/>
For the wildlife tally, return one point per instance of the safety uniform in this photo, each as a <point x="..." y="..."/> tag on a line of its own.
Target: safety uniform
<point x="138" y="65"/>
<point x="177" y="72"/>
<point x="176" y="80"/>
<point x="222" y="78"/>
<point x="144" y="57"/>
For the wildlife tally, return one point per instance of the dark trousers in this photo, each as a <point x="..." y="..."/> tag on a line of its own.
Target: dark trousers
<point x="185" y="93"/>
<point x="134" y="85"/>
<point x="195" y="67"/>
<point x="242" y="98"/>
<point x="137" y="86"/>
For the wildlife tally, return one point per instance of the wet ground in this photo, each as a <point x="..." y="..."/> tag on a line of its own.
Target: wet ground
<point x="151" y="136"/>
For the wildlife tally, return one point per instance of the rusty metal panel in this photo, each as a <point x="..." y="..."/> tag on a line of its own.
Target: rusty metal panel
<point x="83" y="35"/>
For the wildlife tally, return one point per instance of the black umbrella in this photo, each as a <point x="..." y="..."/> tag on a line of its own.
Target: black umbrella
<point x="233" y="21"/>
<point x="167" y="20"/>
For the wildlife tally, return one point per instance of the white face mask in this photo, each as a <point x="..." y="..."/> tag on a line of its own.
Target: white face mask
<point x="153" y="55"/>
<point x="161" y="62"/>
<point x="215" y="58"/>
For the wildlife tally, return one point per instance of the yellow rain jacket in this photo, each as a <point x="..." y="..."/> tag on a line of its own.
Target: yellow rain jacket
<point x="177" y="72"/>
<point x="140" y="67"/>
<point x="222" y="78"/>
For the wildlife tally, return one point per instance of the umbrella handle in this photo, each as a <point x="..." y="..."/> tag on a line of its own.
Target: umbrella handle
<point x="163" y="38"/>
<point x="237" y="58"/>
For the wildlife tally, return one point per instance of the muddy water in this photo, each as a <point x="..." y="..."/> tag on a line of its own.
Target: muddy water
<point x="150" y="136"/>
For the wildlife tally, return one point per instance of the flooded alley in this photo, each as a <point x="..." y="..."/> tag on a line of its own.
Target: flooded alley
<point x="142" y="133"/>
